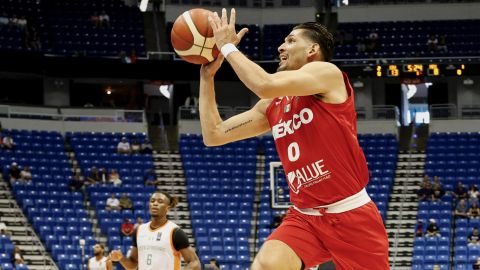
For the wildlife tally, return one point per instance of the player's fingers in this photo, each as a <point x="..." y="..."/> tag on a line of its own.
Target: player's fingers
<point x="242" y="33"/>
<point x="212" y="23"/>
<point x="217" y="20"/>
<point x="233" y="16"/>
<point x="224" y="16"/>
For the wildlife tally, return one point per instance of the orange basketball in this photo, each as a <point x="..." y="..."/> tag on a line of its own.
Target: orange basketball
<point x="192" y="37"/>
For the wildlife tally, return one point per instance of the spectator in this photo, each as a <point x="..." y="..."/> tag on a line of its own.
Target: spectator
<point x="127" y="228"/>
<point x="426" y="179"/>
<point x="124" y="58"/>
<point x="94" y="176"/>
<point x="135" y="147"/>
<point x="22" y="22"/>
<point x="432" y="43"/>
<point x="139" y="222"/>
<point x="476" y="264"/>
<point x="474" y="211"/>
<point x="25" y="174"/>
<point x="17" y="257"/>
<point x="76" y="183"/>
<point x="13" y="21"/>
<point x="461" y="211"/>
<point x="14" y="172"/>
<point x="460" y="191"/>
<point x="425" y="192"/>
<point x="442" y="44"/>
<point x="474" y="238"/>
<point x="214" y="264"/>
<point x="432" y="229"/>
<point x="4" y="229"/>
<point x="8" y="142"/>
<point x="32" y="39"/>
<point x="125" y="202"/>
<point x="147" y="147"/>
<point x="103" y="175"/>
<point x="436" y="181"/>
<point x="436" y="267"/>
<point x="3" y="19"/>
<point x="114" y="178"/>
<point x="123" y="146"/>
<point x="95" y="19"/>
<point x="104" y="19"/>
<point x="419" y="229"/>
<point x="473" y="194"/>
<point x="372" y="41"/>
<point x="151" y="178"/>
<point x="361" y="47"/>
<point x="133" y="56"/>
<point x="437" y="192"/>
<point x="113" y="203"/>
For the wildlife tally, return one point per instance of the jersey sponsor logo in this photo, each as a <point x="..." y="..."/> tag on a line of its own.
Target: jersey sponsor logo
<point x="304" y="117"/>
<point x="307" y="176"/>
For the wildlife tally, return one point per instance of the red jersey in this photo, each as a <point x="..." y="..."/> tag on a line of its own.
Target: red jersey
<point x="317" y="144"/>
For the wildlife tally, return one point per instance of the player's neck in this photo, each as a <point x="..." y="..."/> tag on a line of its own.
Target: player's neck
<point x="157" y="222"/>
<point x="98" y="257"/>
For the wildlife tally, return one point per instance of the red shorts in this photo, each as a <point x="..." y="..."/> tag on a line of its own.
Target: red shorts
<point x="354" y="240"/>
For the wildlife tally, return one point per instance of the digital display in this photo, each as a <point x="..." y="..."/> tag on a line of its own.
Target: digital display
<point x="420" y="70"/>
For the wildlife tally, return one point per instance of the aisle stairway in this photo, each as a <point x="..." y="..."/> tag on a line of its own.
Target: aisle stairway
<point x="169" y="170"/>
<point x="22" y="234"/>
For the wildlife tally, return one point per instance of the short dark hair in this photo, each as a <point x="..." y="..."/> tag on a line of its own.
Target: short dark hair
<point x="173" y="200"/>
<point x="318" y="33"/>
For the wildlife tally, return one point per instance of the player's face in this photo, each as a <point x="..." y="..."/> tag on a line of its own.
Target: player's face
<point x="97" y="249"/>
<point x="293" y="53"/>
<point x="159" y="205"/>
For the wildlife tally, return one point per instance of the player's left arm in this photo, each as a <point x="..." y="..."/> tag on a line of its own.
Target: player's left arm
<point x="191" y="258"/>
<point x="313" y="78"/>
<point x="180" y="243"/>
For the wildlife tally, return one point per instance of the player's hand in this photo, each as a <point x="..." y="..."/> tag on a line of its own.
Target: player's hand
<point x="224" y="30"/>
<point x="210" y="69"/>
<point x="116" y="255"/>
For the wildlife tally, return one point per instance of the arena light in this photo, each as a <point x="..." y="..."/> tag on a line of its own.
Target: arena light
<point x="143" y="5"/>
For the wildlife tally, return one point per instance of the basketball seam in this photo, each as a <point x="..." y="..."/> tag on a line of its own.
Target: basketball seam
<point x="205" y="35"/>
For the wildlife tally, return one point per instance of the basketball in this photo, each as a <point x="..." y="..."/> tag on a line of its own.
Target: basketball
<point x="192" y="37"/>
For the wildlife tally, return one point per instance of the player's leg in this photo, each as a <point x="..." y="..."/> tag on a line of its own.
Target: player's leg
<point x="292" y="246"/>
<point x="276" y="255"/>
<point x="357" y="239"/>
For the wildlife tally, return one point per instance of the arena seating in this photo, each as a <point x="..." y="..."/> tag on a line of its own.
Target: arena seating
<point x="220" y="185"/>
<point x="381" y="153"/>
<point x="65" y="28"/>
<point x="100" y="150"/>
<point x="6" y="250"/>
<point x="453" y="157"/>
<point x="56" y="213"/>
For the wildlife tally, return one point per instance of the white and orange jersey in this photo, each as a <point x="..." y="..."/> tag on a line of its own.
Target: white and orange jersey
<point x="94" y="264"/>
<point x="155" y="247"/>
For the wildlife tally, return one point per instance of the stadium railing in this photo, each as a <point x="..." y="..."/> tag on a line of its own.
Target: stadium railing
<point x="451" y="111"/>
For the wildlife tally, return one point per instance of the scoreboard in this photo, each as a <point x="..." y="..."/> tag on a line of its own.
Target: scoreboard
<point x="420" y="70"/>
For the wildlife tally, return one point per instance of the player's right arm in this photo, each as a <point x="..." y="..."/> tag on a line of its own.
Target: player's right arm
<point x="215" y="131"/>
<point x="129" y="263"/>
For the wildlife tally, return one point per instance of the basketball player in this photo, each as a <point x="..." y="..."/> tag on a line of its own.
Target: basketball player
<point x="308" y="105"/>
<point x="158" y="244"/>
<point x="99" y="261"/>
